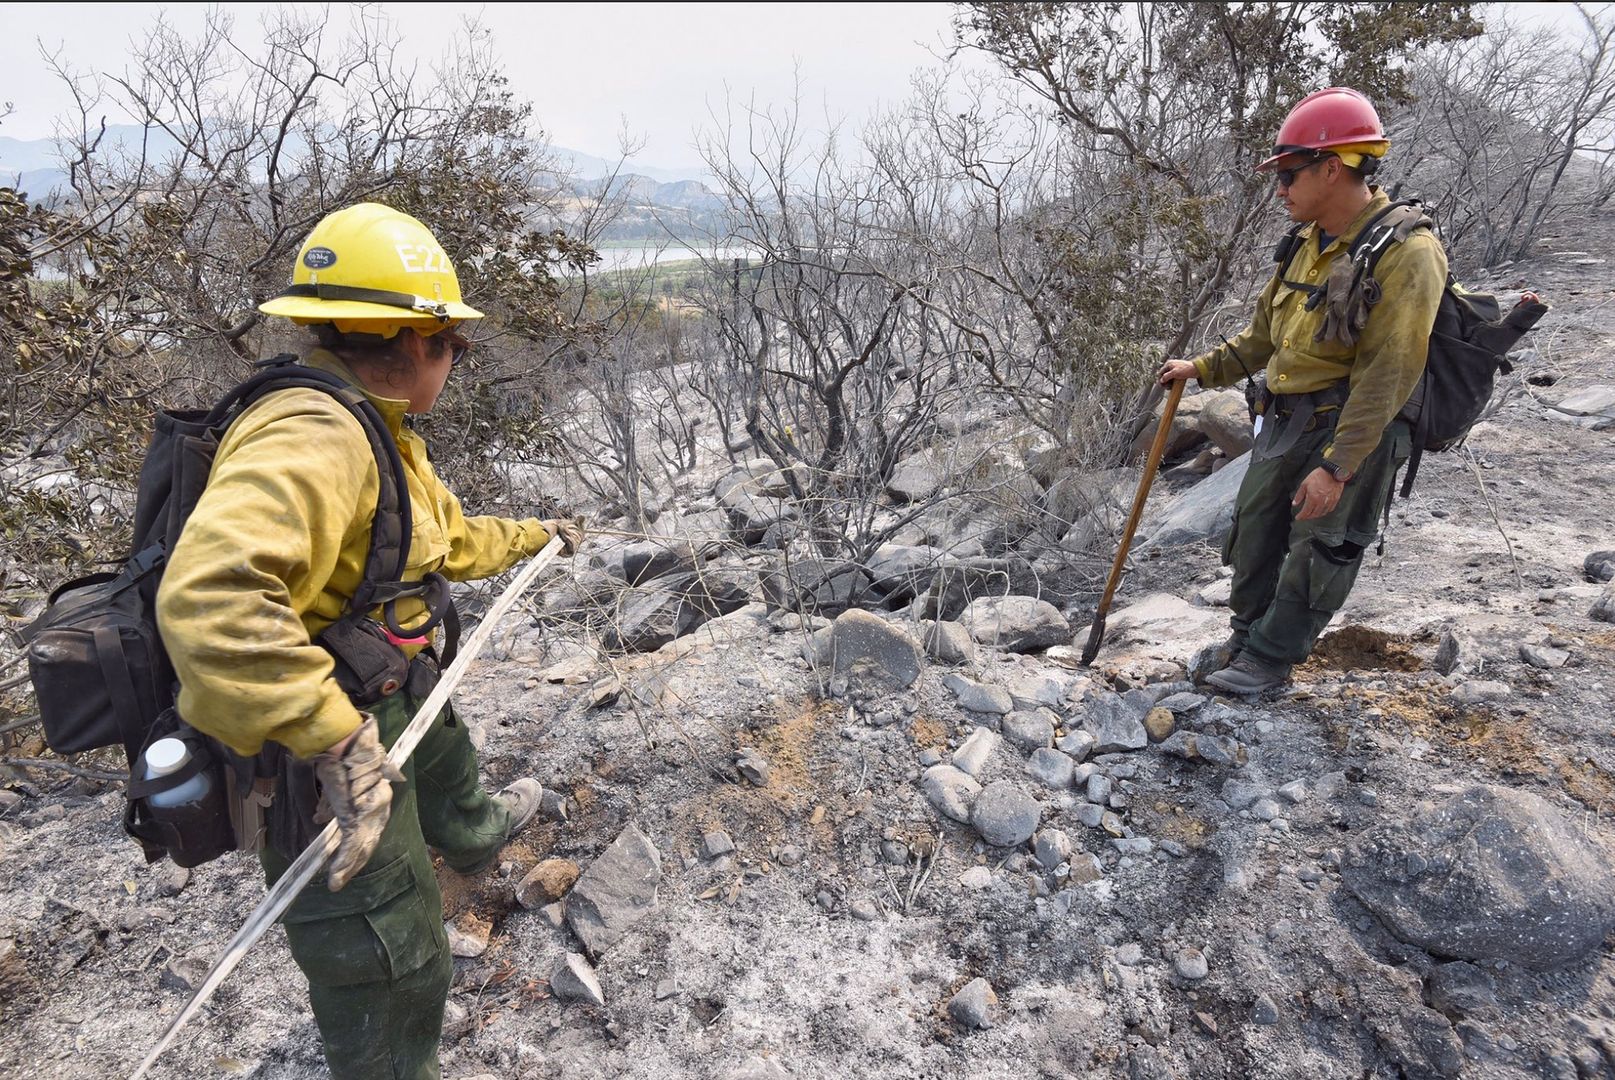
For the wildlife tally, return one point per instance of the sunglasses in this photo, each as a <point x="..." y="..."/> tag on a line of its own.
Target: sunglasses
<point x="458" y="346"/>
<point x="1286" y="177"/>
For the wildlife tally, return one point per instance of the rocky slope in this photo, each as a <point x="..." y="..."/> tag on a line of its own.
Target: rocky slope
<point x="833" y="824"/>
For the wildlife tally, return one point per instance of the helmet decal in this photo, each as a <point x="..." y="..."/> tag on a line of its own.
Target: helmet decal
<point x="318" y="258"/>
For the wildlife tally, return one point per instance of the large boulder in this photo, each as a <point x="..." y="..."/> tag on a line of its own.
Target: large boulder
<point x="902" y="571"/>
<point x="957" y="583"/>
<point x="1488" y="874"/>
<point x="1203" y="514"/>
<point x="1017" y="623"/>
<point x="1185" y="434"/>
<point x="751" y="512"/>
<point x="1225" y="420"/>
<point x="917" y="477"/>
<point x="870" y="651"/>
<point x="1167" y="627"/>
<point x="677" y="605"/>
<point x="643" y="560"/>
<point x="615" y="892"/>
<point x="816" y="586"/>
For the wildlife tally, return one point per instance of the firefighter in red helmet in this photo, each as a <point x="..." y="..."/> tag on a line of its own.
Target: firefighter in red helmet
<point x="1330" y="441"/>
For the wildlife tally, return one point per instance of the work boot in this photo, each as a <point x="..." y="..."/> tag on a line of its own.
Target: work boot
<point x="522" y="799"/>
<point x="1249" y="676"/>
<point x="1214" y="658"/>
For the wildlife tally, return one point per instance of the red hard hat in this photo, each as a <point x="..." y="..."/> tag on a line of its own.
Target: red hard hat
<point x="1336" y="116"/>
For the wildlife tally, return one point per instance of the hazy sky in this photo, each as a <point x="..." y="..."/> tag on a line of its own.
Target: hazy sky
<point x="591" y="66"/>
<point x="586" y="67"/>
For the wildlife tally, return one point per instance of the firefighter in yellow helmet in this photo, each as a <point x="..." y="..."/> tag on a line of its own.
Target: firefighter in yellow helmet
<point x="266" y="565"/>
<point x="1339" y="366"/>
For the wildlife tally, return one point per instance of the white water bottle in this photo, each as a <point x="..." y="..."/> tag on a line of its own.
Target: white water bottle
<point x="169" y="755"/>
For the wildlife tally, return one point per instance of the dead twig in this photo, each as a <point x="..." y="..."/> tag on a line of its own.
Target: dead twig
<point x="18" y="725"/>
<point x="1486" y="497"/>
<point x="62" y="766"/>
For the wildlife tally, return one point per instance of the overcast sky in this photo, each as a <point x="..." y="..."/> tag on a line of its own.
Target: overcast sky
<point x="587" y="68"/>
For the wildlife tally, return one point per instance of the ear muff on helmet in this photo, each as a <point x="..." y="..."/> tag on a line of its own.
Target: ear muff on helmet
<point x="370" y="269"/>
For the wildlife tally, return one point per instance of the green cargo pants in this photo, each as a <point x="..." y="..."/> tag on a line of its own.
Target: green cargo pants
<point x="375" y="954"/>
<point x="1290" y="577"/>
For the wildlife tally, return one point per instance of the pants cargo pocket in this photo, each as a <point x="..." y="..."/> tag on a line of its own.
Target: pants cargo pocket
<point x="1230" y="541"/>
<point x="378" y="929"/>
<point x="1331" y="572"/>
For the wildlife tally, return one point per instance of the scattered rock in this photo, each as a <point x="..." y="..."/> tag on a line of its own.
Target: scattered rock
<point x="977" y="697"/>
<point x="716" y="843"/>
<point x="1294" y="793"/>
<point x="1115" y="724"/>
<point x="1490" y="874"/>
<point x="1263" y="1011"/>
<point x="1005" y="815"/>
<point x="1076" y="744"/>
<point x="947" y="642"/>
<point x="863" y="909"/>
<point x="952" y="791"/>
<point x="1190" y="963"/>
<point x="171" y="879"/>
<point x="1017" y="623"/>
<point x="1051" y="767"/>
<point x="639" y="562"/>
<point x="1181" y="703"/>
<point x="670" y="610"/>
<point x="1476" y="692"/>
<point x="1599" y="566"/>
<point x="825" y="587"/>
<point x="917" y="477"/>
<point x="974" y="753"/>
<point x="1159" y="724"/>
<point x="1052" y="848"/>
<point x="1239" y="794"/>
<point x="871" y="651"/>
<point x="977" y="877"/>
<point x="1458" y="653"/>
<point x="1217" y="594"/>
<point x="1544" y="656"/>
<point x="183" y="974"/>
<point x="1265" y="809"/>
<point x="617" y="890"/>
<point x="1204" y="512"/>
<point x="971" y="1006"/>
<point x="546" y="883"/>
<point x="1603" y="609"/>
<point x="468" y="935"/>
<point x="1085" y="867"/>
<point x="753" y="766"/>
<point x="1098" y="789"/>
<point x="575" y="980"/>
<point x="1028" y="730"/>
<point x="1214" y="749"/>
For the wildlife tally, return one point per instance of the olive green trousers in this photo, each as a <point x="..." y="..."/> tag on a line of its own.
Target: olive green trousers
<point x="375" y="954"/>
<point x="1290" y="577"/>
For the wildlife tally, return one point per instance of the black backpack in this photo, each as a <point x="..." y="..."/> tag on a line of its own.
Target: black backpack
<point x="1469" y="342"/>
<point x="102" y="677"/>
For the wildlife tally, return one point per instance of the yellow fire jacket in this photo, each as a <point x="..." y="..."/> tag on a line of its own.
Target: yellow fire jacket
<point x="1385" y="364"/>
<point x="275" y="548"/>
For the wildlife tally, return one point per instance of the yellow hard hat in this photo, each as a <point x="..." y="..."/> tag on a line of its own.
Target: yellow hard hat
<point x="374" y="270"/>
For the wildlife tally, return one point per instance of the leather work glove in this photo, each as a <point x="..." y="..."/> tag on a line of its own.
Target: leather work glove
<point x="570" y="530"/>
<point x="356" y="790"/>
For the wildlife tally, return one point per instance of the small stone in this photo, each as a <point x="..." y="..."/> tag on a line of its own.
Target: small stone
<point x="977" y="697"/>
<point x="1028" y="730"/>
<point x="753" y="766"/>
<point x="182" y="974"/>
<point x="468" y="936"/>
<point x="1098" y="788"/>
<point x="1239" y="794"/>
<point x="1077" y="744"/>
<point x="1265" y="809"/>
<point x="1544" y="656"/>
<point x="971" y="1006"/>
<point x="977" y="877"/>
<point x="1112" y="823"/>
<point x="171" y="879"/>
<point x="1459" y="988"/>
<point x="1173" y="848"/>
<point x="1599" y="566"/>
<point x="1130" y="955"/>
<point x="1190" y="963"/>
<point x="666" y="988"/>
<point x="789" y="855"/>
<point x="1133" y="845"/>
<point x="716" y="843"/>
<point x="1085" y="867"/>
<point x="864" y="910"/>
<point x="974" y="752"/>
<point x="1090" y="814"/>
<point x="894" y="852"/>
<point x="1052" y="847"/>
<point x="575" y="980"/>
<point x="1005" y="815"/>
<point x="826" y="900"/>
<point x="1477" y="691"/>
<point x="952" y="791"/>
<point x="1159" y="724"/>
<point x="1294" y="793"/>
<point x="457" y="1021"/>
<point x="929" y="756"/>
<point x="1206" y="1022"/>
<point x="1263" y="1011"/>
<point x="1051" y="767"/>
<point x="554" y="914"/>
<point x="1117" y="723"/>
<point x="1178" y="704"/>
<point x="554" y="806"/>
<point x="546" y="883"/>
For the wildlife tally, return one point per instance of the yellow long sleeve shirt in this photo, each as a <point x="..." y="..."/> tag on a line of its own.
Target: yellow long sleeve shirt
<point x="1385" y="364"/>
<point x="275" y="548"/>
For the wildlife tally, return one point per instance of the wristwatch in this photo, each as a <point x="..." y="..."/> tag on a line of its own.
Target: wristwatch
<point x="1340" y="473"/>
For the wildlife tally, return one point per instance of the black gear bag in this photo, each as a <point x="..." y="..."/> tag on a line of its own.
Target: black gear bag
<point x="103" y="678"/>
<point x="1469" y="342"/>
